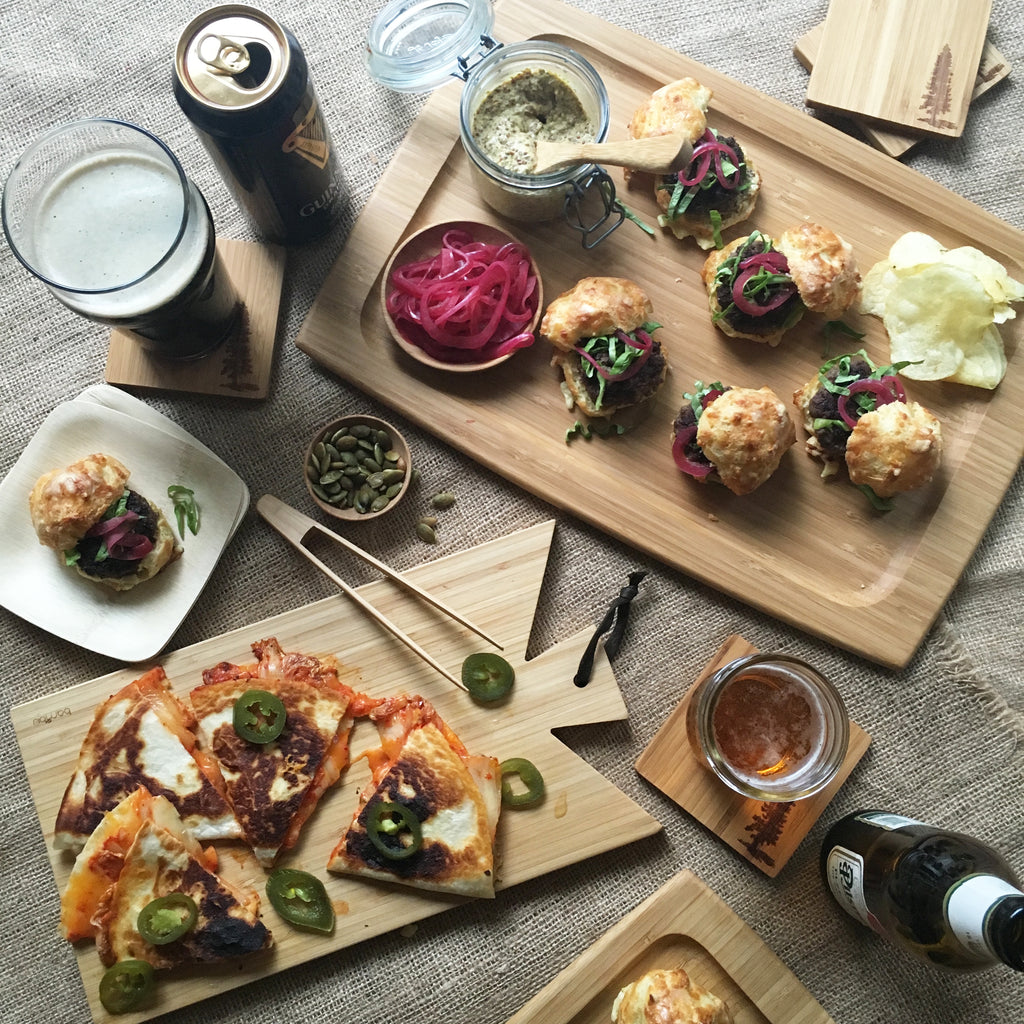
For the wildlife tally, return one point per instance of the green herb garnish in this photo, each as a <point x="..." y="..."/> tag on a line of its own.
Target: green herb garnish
<point x="630" y="215"/>
<point x="186" y="510"/>
<point x="614" y="354"/>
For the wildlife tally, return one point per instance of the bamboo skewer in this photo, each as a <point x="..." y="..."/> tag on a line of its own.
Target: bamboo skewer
<point x="295" y="527"/>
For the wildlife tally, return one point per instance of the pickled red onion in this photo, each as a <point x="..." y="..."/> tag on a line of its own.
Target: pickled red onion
<point x="472" y="302"/>
<point x="120" y="539"/>
<point x="775" y="263"/>
<point x="887" y="389"/>
<point x="683" y="439"/>
<point x="709" y="150"/>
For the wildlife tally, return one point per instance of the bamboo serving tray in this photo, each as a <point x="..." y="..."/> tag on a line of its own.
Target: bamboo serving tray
<point x="496" y="585"/>
<point x="684" y="924"/>
<point x="810" y="553"/>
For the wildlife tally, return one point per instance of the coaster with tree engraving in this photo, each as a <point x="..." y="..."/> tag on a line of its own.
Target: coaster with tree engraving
<point x="242" y="365"/>
<point x="765" y="833"/>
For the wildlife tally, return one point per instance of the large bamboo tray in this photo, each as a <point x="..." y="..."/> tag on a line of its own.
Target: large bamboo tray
<point x="496" y="585"/>
<point x="811" y="553"/>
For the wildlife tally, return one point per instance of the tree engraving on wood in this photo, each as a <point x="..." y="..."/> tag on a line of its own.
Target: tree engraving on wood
<point x="938" y="97"/>
<point x="765" y="829"/>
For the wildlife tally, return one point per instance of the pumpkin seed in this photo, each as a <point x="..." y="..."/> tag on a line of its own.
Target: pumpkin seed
<point x="426" y="533"/>
<point x="331" y="478"/>
<point x="379" y="502"/>
<point x="442" y="500"/>
<point x="357" y="467"/>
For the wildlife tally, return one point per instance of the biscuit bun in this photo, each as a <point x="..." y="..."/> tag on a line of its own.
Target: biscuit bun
<point x="741" y="433"/>
<point x="597" y="307"/>
<point x="821" y="266"/>
<point x="668" y="997"/>
<point x="65" y="504"/>
<point x="895" y="448"/>
<point x="677" y="108"/>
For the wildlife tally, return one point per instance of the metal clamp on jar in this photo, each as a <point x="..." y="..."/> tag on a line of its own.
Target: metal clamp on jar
<point x="416" y="47"/>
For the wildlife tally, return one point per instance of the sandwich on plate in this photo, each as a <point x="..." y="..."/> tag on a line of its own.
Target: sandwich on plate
<point x="99" y="526"/>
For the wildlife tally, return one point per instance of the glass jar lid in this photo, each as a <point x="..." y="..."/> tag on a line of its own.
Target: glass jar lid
<point x="417" y="45"/>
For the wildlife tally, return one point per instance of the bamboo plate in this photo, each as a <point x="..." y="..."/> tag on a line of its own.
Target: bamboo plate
<point x="497" y="584"/>
<point x="811" y="553"/>
<point x="684" y="924"/>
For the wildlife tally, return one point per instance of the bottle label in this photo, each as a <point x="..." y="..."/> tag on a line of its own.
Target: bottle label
<point x="844" y="871"/>
<point x="887" y="821"/>
<point x="967" y="905"/>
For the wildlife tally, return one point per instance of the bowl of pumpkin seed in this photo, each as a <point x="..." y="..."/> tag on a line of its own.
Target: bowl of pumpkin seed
<point x="357" y="467"/>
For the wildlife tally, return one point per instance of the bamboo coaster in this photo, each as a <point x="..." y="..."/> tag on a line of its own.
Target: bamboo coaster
<point x="241" y="367"/>
<point x="993" y="68"/>
<point x="767" y="833"/>
<point x="906" y="63"/>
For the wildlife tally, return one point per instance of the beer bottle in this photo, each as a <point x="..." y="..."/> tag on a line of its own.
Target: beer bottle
<point x="943" y="896"/>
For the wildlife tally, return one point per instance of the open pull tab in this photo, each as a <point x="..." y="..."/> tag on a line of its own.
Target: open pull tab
<point x="222" y="55"/>
<point x="589" y="206"/>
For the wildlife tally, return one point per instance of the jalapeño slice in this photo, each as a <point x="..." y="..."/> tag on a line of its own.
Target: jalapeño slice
<point x="259" y="716"/>
<point x="530" y="777"/>
<point x="126" y="985"/>
<point x="487" y="676"/>
<point x="301" y="899"/>
<point x="394" y="830"/>
<point x="167" y="918"/>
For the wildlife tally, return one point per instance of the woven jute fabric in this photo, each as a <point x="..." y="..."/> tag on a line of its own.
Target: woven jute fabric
<point x="947" y="731"/>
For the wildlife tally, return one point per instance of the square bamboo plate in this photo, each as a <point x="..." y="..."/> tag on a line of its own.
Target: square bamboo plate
<point x="910" y="63"/>
<point x="764" y="833"/>
<point x="684" y="924"/>
<point x="993" y="68"/>
<point x="242" y="366"/>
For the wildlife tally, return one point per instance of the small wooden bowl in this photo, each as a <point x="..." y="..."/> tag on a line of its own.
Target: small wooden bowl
<point x="328" y="434"/>
<point x="425" y="244"/>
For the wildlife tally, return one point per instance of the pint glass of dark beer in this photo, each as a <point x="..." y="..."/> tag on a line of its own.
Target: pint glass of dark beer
<point x="103" y="214"/>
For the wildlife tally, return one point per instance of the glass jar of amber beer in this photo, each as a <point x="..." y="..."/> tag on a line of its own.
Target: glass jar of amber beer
<point x="103" y="214"/>
<point x="769" y="726"/>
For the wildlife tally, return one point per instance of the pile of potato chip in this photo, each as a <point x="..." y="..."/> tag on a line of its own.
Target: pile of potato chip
<point x="940" y="308"/>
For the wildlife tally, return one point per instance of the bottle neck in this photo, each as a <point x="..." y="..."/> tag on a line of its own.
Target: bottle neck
<point x="1005" y="928"/>
<point x="986" y="914"/>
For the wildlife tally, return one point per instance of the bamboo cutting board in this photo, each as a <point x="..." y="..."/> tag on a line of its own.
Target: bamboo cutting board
<point x="872" y="584"/>
<point x="496" y="585"/>
<point x="902" y="62"/>
<point x="684" y="924"/>
<point x="993" y="68"/>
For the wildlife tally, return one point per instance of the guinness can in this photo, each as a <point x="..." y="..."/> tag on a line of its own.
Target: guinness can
<point x="243" y="82"/>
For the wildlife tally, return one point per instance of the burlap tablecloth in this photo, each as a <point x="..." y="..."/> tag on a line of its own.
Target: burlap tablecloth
<point x="947" y="731"/>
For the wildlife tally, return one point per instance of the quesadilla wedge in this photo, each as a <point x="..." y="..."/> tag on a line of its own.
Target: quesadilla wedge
<point x="274" y="786"/>
<point x="142" y="736"/>
<point x="98" y="866"/>
<point x="429" y="814"/>
<point x="161" y="865"/>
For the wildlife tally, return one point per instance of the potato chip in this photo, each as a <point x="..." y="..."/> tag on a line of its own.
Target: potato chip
<point x="985" y="364"/>
<point x="939" y="307"/>
<point x="930" y="314"/>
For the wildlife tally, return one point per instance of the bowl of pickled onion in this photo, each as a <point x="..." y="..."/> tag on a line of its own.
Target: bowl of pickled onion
<point x="461" y="296"/>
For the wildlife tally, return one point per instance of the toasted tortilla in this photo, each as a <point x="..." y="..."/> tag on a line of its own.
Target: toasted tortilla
<point x="455" y="795"/>
<point x="160" y="862"/>
<point x="274" y="787"/>
<point x="142" y="736"/>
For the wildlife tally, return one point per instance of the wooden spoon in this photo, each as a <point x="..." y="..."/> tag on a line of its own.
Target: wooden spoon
<point x="659" y="154"/>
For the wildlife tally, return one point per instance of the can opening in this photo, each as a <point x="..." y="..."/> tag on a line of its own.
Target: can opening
<point x="259" y="67"/>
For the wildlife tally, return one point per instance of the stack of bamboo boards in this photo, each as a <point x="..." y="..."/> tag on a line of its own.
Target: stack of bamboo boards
<point x="903" y="70"/>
